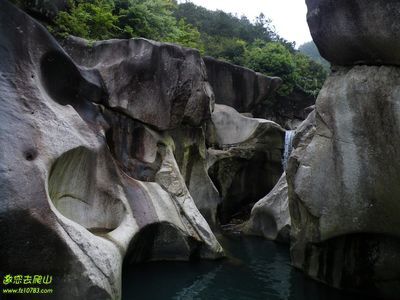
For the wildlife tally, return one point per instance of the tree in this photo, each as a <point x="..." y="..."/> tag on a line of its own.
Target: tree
<point x="228" y="49"/>
<point x="273" y="59"/>
<point x="309" y="75"/>
<point x="150" y="19"/>
<point x="90" y="20"/>
<point x="215" y="33"/>
<point x="295" y="69"/>
<point x="188" y="36"/>
<point x="311" y="50"/>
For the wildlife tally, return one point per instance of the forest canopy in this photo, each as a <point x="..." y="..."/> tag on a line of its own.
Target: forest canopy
<point x="254" y="44"/>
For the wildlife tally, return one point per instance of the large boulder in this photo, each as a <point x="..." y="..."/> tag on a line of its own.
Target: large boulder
<point x="356" y="32"/>
<point x="191" y="155"/>
<point x="239" y="87"/>
<point x="70" y="206"/>
<point x="149" y="157"/>
<point x="343" y="188"/>
<point x="244" y="159"/>
<point x="159" y="84"/>
<point x="137" y="149"/>
<point x="229" y="128"/>
<point x="270" y="216"/>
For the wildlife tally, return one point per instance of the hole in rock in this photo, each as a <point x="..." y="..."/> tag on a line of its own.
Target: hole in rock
<point x="30" y="154"/>
<point x="160" y="241"/>
<point x="76" y="188"/>
<point x="241" y="183"/>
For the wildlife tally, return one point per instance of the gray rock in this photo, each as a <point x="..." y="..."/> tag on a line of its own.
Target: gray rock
<point x="343" y="186"/>
<point x="37" y="129"/>
<point x="159" y="196"/>
<point x="70" y="207"/>
<point x="159" y="84"/>
<point x="254" y="94"/>
<point x="229" y="128"/>
<point x="239" y="87"/>
<point x="191" y="155"/>
<point x="270" y="216"/>
<point x="244" y="161"/>
<point x="357" y="31"/>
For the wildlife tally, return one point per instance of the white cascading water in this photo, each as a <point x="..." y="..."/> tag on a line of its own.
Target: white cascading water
<point x="289" y="135"/>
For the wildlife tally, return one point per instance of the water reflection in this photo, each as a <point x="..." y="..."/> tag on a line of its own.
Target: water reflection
<point x="256" y="269"/>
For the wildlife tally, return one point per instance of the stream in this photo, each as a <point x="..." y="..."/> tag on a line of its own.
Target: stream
<point x="255" y="269"/>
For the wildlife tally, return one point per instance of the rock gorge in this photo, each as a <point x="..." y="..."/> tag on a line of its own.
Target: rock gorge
<point x="105" y="156"/>
<point x="125" y="151"/>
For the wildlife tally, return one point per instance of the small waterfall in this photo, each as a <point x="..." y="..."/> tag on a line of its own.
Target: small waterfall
<point x="289" y="135"/>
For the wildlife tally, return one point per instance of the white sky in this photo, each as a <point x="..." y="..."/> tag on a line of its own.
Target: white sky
<point x="288" y="16"/>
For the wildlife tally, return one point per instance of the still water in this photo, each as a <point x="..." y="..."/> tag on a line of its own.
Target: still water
<point x="255" y="269"/>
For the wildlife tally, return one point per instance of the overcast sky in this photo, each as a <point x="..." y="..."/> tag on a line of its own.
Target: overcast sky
<point x="288" y="16"/>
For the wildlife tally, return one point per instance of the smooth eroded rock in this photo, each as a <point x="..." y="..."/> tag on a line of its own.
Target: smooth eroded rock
<point x="356" y="32"/>
<point x="71" y="206"/>
<point x="270" y="216"/>
<point x="191" y="155"/>
<point x="158" y="84"/>
<point x="239" y="87"/>
<point x="244" y="160"/>
<point x="343" y="184"/>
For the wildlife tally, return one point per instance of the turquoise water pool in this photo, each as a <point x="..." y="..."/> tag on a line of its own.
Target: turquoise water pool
<point x="255" y="269"/>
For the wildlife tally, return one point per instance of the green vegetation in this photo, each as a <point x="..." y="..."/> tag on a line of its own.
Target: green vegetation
<point x="311" y="50"/>
<point x="273" y="59"/>
<point x="215" y="33"/>
<point x="88" y="20"/>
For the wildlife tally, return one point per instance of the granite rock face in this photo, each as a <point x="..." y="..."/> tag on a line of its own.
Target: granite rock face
<point x="85" y="187"/>
<point x="343" y="191"/>
<point x="270" y="216"/>
<point x="239" y="87"/>
<point x="254" y="94"/>
<point x="191" y="155"/>
<point x="244" y="159"/>
<point x="162" y="85"/>
<point x="357" y="31"/>
<point x="343" y="187"/>
<point x="229" y="128"/>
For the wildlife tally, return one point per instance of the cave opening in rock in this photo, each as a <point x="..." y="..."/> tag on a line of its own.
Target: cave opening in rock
<point x="75" y="191"/>
<point x="161" y="241"/>
<point x="241" y="183"/>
